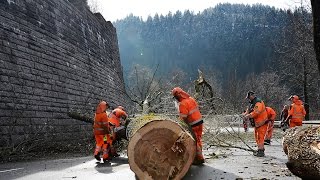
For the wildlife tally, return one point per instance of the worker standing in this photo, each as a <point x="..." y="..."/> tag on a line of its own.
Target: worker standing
<point x="244" y="122"/>
<point x="101" y="131"/>
<point x="190" y="113"/>
<point x="283" y="117"/>
<point x="296" y="113"/>
<point x="117" y="120"/>
<point x="257" y="111"/>
<point x="271" y="118"/>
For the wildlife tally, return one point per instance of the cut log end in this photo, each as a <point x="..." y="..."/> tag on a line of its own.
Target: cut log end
<point x="161" y="150"/>
<point x="302" y="146"/>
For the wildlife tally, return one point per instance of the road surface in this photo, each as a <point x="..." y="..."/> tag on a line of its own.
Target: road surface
<point x="227" y="164"/>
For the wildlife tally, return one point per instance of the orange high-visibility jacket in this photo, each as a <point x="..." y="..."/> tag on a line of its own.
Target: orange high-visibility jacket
<point x="115" y="115"/>
<point x="297" y="111"/>
<point x="189" y="111"/>
<point x="259" y="113"/>
<point x="100" y="125"/>
<point x="271" y="113"/>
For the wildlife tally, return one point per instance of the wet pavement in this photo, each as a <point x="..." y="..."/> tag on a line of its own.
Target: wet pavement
<point x="225" y="164"/>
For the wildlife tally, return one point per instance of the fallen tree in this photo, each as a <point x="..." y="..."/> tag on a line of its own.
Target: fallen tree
<point x="302" y="146"/>
<point x="81" y="117"/>
<point x="160" y="148"/>
<point x="121" y="134"/>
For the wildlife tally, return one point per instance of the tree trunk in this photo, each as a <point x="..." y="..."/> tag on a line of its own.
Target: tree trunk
<point x="305" y="87"/>
<point x="160" y="148"/>
<point x="81" y="117"/>
<point x="302" y="146"/>
<point x="316" y="28"/>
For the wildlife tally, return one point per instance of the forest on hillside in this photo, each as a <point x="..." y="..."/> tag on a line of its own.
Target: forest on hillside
<point x="237" y="47"/>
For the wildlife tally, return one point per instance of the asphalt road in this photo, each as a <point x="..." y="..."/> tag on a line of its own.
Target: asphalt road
<point x="227" y="164"/>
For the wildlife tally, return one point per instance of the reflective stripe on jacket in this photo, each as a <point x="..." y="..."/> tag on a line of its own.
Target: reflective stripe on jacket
<point x="189" y="111"/>
<point x="100" y="125"/>
<point x="115" y="115"/>
<point x="259" y="113"/>
<point x="271" y="113"/>
<point x="297" y="111"/>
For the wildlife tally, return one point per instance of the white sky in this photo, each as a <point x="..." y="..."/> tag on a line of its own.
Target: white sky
<point x="118" y="9"/>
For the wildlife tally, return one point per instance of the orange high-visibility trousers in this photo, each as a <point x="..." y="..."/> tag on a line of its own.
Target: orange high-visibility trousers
<point x="102" y="145"/>
<point x="294" y="123"/>
<point x="111" y="141"/>
<point x="269" y="130"/>
<point x="197" y="130"/>
<point x="259" y="134"/>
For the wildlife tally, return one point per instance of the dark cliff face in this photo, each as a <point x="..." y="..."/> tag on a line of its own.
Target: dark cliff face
<point x="55" y="56"/>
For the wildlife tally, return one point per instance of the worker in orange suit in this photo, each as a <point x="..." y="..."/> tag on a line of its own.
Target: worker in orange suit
<point x="271" y="118"/>
<point x="117" y="120"/>
<point x="296" y="113"/>
<point x="283" y="117"/>
<point x="257" y="111"/>
<point x="190" y="113"/>
<point x="101" y="132"/>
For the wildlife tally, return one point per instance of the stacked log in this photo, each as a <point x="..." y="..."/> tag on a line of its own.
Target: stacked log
<point x="302" y="146"/>
<point x="160" y="148"/>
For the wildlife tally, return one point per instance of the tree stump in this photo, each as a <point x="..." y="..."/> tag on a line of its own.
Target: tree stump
<point x="302" y="146"/>
<point x="160" y="148"/>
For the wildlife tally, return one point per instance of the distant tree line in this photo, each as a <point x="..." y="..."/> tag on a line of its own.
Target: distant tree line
<point x="242" y="47"/>
<point x="224" y="37"/>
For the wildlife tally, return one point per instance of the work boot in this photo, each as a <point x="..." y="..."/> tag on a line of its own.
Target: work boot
<point x="107" y="160"/>
<point x="259" y="153"/>
<point x="267" y="142"/>
<point x="198" y="162"/>
<point x="115" y="155"/>
<point x="97" y="156"/>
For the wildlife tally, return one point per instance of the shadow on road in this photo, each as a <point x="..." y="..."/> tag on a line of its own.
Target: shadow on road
<point x="105" y="168"/>
<point x="285" y="160"/>
<point x="206" y="172"/>
<point x="119" y="161"/>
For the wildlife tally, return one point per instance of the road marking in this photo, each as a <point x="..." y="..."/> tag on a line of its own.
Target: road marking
<point x="11" y="170"/>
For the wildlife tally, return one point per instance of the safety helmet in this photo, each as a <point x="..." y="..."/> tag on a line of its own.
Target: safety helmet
<point x="249" y="93"/>
<point x="122" y="108"/>
<point x="294" y="97"/>
<point x="102" y="106"/>
<point x="178" y="92"/>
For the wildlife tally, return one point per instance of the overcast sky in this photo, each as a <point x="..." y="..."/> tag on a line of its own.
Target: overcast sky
<point x="118" y="9"/>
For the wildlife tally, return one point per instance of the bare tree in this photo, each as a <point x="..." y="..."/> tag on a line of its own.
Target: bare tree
<point x="298" y="66"/>
<point x="267" y="86"/>
<point x="316" y="28"/>
<point x="234" y="92"/>
<point x="143" y="87"/>
<point x="271" y="90"/>
<point x="208" y="91"/>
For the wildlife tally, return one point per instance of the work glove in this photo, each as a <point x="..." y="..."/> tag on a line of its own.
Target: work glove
<point x="253" y="124"/>
<point x="267" y="121"/>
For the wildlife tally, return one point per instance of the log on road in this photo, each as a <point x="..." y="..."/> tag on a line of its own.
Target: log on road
<point x="160" y="148"/>
<point x="302" y="146"/>
<point x="81" y="117"/>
